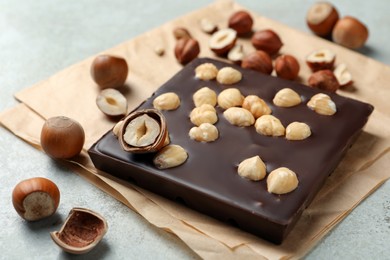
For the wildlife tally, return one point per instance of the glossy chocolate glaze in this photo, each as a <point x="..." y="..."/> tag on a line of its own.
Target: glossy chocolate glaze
<point x="208" y="181"/>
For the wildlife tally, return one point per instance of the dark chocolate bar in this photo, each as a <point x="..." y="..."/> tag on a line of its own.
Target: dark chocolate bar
<point x="208" y="180"/>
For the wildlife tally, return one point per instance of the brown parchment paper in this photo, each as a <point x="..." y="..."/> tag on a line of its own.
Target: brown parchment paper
<point x="72" y="93"/>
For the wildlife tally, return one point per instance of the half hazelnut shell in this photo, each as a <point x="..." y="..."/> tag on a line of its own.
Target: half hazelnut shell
<point x="142" y="131"/>
<point x="82" y="231"/>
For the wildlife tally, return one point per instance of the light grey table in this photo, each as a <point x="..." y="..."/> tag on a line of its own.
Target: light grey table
<point x="39" y="38"/>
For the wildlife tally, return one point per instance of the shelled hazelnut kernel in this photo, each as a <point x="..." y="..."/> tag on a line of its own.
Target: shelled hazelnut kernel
<point x="297" y="131"/>
<point x="259" y="61"/>
<point x="256" y="106"/>
<point x="205" y="113"/>
<point x="62" y="137"/>
<point x="186" y="49"/>
<point x="325" y="80"/>
<point x="252" y="168"/>
<point x="206" y="71"/>
<point x="287" y="67"/>
<point x="228" y="76"/>
<point x="109" y="71"/>
<point x="205" y="132"/>
<point x="230" y="97"/>
<point x="287" y="97"/>
<point x="267" y="40"/>
<point x="322" y="104"/>
<point x="281" y="181"/>
<point x="269" y="125"/>
<point x="205" y="95"/>
<point x="239" y="116"/>
<point x="167" y="101"/>
<point x="170" y="156"/>
<point x="343" y="75"/>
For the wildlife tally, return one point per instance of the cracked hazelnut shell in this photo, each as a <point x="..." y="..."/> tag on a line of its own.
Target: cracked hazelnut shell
<point x="35" y="198"/>
<point x="142" y="131"/>
<point x="62" y="137"/>
<point x="109" y="71"/>
<point x="82" y="231"/>
<point x="222" y="41"/>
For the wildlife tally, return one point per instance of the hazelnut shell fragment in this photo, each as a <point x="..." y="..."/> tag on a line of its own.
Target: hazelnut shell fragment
<point x="109" y="71"/>
<point x="322" y="59"/>
<point x="186" y="49"/>
<point x="343" y="75"/>
<point x="142" y="130"/>
<point x="267" y="40"/>
<point x="82" y="231"/>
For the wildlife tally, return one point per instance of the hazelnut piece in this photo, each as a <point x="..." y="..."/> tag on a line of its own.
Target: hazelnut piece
<point x="170" y="156"/>
<point x="167" y="101"/>
<point x="186" y="49"/>
<point x="206" y="132"/>
<point x="180" y="33"/>
<point x="281" y="181"/>
<point x="62" y="137"/>
<point x="252" y="168"/>
<point x="222" y="41"/>
<point x="344" y="77"/>
<point x="267" y="40"/>
<point x="321" y="18"/>
<point x="241" y="22"/>
<point x="228" y="76"/>
<point x="239" y="116"/>
<point x="230" y="97"/>
<point x="287" y="67"/>
<point x="109" y="71"/>
<point x="206" y="71"/>
<point x="82" y="231"/>
<point x="35" y="198"/>
<point x="350" y="32"/>
<point x="322" y="59"/>
<point x="111" y="102"/>
<point x="143" y="131"/>
<point x="325" y="80"/>
<point x="259" y="61"/>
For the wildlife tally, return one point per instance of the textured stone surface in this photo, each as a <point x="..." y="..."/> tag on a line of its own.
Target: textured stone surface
<point x="39" y="38"/>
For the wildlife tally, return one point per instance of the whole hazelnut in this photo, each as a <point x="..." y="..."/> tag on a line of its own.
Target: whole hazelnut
<point x="267" y="40"/>
<point x="321" y="18"/>
<point x="62" y="137"/>
<point x="259" y="61"/>
<point x="325" y="80"/>
<point x="109" y="71"/>
<point x="287" y="67"/>
<point x="180" y="32"/>
<point x="350" y="32"/>
<point x="241" y="22"/>
<point x="186" y="50"/>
